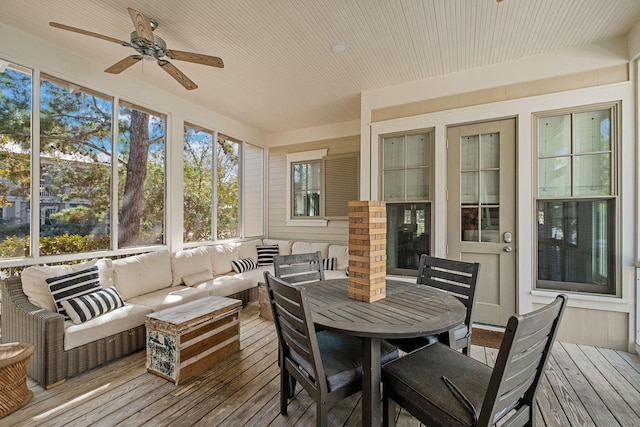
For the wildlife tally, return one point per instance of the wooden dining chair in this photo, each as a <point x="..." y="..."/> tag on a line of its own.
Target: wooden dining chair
<point x="458" y="278"/>
<point x="328" y="365"/>
<point x="299" y="268"/>
<point x="443" y="387"/>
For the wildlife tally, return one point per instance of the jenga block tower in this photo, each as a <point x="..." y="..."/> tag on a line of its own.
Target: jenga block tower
<point x="367" y="250"/>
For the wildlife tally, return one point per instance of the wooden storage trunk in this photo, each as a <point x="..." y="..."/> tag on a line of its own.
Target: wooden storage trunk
<point x="185" y="340"/>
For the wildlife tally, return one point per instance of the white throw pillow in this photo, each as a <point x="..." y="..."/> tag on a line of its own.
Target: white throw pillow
<point x="141" y="274"/>
<point x="221" y="257"/>
<point x="34" y="282"/>
<point x="197" y="278"/>
<point x="188" y="262"/>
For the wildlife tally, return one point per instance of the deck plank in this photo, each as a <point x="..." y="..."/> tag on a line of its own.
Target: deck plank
<point x="583" y="385"/>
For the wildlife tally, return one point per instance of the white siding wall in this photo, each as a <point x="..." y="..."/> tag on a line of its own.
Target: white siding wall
<point x="336" y="231"/>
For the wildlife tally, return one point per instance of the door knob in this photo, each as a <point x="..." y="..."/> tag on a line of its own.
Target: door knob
<point x="507" y="249"/>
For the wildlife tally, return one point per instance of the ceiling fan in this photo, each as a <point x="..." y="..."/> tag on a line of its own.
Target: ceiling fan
<point x="150" y="46"/>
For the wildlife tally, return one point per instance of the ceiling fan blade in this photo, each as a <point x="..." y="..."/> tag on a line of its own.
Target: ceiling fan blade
<point x="88" y="33"/>
<point x="177" y="74"/>
<point x="142" y="24"/>
<point x="120" y="66"/>
<point x="213" y="61"/>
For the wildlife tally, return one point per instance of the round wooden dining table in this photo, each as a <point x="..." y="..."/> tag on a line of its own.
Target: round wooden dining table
<point x="408" y="310"/>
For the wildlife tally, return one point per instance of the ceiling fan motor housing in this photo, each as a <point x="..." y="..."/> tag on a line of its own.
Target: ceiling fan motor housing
<point x="156" y="50"/>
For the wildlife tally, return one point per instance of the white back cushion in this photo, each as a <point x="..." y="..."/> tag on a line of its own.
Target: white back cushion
<point x="141" y="274"/>
<point x="308" y="247"/>
<point x="248" y="249"/>
<point x="221" y="257"/>
<point x="191" y="261"/>
<point x="341" y="254"/>
<point x="36" y="288"/>
<point x="284" y="246"/>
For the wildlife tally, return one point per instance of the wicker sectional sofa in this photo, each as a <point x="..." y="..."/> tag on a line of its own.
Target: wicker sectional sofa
<point x="147" y="283"/>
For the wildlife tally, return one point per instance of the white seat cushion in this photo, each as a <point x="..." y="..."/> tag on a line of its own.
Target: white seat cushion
<point x="113" y="322"/>
<point x="168" y="297"/>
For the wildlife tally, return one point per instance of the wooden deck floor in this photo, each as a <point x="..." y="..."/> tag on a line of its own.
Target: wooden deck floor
<point x="582" y="386"/>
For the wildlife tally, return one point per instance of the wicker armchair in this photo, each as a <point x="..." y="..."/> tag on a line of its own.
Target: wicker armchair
<point x="50" y="364"/>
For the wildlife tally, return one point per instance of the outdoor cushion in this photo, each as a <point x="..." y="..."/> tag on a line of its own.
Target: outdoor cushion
<point x="310" y="247"/>
<point x="221" y="257"/>
<point x="189" y="262"/>
<point x="341" y="254"/>
<point x="284" y="246"/>
<point x="248" y="249"/>
<point x="73" y="285"/>
<point x="34" y="282"/>
<point x="119" y="320"/>
<point x="242" y="265"/>
<point x="141" y="274"/>
<point x="342" y="358"/>
<point x="168" y="297"/>
<point x="266" y="254"/>
<point x="86" y="307"/>
<point x="197" y="278"/>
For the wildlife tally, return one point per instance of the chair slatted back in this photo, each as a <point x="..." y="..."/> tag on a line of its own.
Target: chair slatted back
<point x="459" y="278"/>
<point x="523" y="355"/>
<point x="292" y="318"/>
<point x="299" y="268"/>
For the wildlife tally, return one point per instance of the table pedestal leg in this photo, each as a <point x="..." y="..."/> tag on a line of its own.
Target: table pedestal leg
<point x="371" y="382"/>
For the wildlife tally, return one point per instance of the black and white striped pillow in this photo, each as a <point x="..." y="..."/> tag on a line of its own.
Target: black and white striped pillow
<point x="329" y="264"/>
<point x="242" y="265"/>
<point x="88" y="306"/>
<point x="266" y="253"/>
<point x="73" y="285"/>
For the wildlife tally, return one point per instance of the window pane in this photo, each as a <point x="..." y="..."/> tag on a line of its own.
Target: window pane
<point x="469" y="188"/>
<point x="576" y="245"/>
<point x="313" y="176"/>
<point x="418" y="184"/>
<point x="393" y="156"/>
<point x="75" y="168"/>
<point x="253" y="190"/>
<point x="141" y="174"/>
<point x="490" y="150"/>
<point x="228" y="203"/>
<point x="554" y="135"/>
<point x="592" y="175"/>
<point x="408" y="228"/>
<point x="394" y="185"/>
<point x="418" y="150"/>
<point x="470" y="224"/>
<point x="490" y="225"/>
<point x="554" y="177"/>
<point x="15" y="162"/>
<point x="198" y="185"/>
<point x="490" y="189"/>
<point x="592" y="131"/>
<point x="469" y="153"/>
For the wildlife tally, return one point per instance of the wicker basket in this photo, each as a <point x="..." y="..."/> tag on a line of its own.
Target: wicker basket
<point x="14" y="393"/>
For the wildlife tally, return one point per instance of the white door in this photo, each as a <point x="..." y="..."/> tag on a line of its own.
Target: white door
<point x="481" y="212"/>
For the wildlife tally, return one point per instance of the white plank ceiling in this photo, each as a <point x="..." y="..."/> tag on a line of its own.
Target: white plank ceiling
<point x="280" y="73"/>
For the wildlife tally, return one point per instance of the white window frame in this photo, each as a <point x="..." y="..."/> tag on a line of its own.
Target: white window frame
<point x="302" y="156"/>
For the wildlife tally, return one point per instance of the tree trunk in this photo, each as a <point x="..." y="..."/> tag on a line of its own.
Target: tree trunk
<point x="133" y="196"/>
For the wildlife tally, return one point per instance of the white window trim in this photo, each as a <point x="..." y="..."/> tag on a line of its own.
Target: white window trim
<point x="301" y="157"/>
